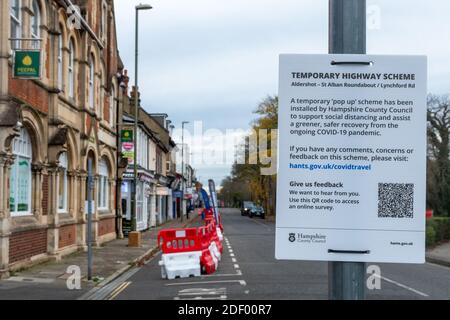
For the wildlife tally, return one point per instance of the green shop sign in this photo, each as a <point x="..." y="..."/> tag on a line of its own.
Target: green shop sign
<point x="127" y="135"/>
<point x="27" y="64"/>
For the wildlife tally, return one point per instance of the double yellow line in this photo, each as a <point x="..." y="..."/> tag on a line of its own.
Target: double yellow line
<point x="118" y="290"/>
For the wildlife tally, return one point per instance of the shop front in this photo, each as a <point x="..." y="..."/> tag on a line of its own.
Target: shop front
<point x="162" y="204"/>
<point x="144" y="201"/>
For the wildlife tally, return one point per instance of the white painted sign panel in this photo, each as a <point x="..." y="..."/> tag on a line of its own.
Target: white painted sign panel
<point x="352" y="158"/>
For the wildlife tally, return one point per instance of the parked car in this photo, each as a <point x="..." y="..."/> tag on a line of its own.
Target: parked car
<point x="246" y="206"/>
<point x="257" y="211"/>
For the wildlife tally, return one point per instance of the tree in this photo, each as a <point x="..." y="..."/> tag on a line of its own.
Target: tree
<point x="438" y="175"/>
<point x="247" y="178"/>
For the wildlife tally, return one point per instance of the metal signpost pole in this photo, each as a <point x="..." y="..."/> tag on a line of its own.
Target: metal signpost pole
<point x="89" y="222"/>
<point x="347" y="35"/>
<point x="136" y="115"/>
<point x="182" y="168"/>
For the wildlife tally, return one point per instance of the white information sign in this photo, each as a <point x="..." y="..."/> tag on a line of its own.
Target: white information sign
<point x="352" y="158"/>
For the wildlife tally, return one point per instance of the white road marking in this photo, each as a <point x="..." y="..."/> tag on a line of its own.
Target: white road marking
<point x="231" y="254"/>
<point x="202" y="298"/>
<point x="238" y="273"/>
<point x="236" y="266"/>
<point x="205" y="282"/>
<point x="234" y="260"/>
<point x="31" y="280"/>
<point x="202" y="291"/>
<point x="405" y="287"/>
<point x="231" y="251"/>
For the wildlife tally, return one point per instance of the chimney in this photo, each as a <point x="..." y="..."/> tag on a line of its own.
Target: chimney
<point x="133" y="96"/>
<point x="126" y="81"/>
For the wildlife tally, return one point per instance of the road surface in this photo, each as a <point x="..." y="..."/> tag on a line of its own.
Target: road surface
<point x="248" y="270"/>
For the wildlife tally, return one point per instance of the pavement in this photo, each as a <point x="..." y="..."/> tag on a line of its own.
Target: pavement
<point x="249" y="271"/>
<point x="48" y="281"/>
<point x="439" y="254"/>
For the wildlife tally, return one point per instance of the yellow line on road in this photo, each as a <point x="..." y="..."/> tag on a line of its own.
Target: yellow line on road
<point x="119" y="290"/>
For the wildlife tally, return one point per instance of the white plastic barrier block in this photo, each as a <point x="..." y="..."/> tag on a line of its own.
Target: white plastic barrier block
<point x="183" y="265"/>
<point x="214" y="251"/>
<point x="219" y="234"/>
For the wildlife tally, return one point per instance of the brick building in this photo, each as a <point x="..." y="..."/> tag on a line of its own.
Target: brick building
<point x="51" y="126"/>
<point x="154" y="189"/>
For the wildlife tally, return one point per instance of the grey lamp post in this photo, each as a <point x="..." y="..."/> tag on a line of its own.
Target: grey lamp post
<point x="136" y="114"/>
<point x="182" y="167"/>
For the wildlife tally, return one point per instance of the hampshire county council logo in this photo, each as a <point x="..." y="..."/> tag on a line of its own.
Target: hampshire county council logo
<point x="292" y="237"/>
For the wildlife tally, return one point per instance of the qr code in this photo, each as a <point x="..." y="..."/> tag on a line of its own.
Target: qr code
<point x="395" y="200"/>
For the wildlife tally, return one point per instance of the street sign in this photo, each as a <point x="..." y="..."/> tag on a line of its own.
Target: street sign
<point x="177" y="194"/>
<point x="128" y="151"/>
<point x="352" y="158"/>
<point x="212" y="192"/>
<point x="27" y="64"/>
<point x="127" y="135"/>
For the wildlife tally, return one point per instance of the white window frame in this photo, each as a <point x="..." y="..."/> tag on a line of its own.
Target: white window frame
<point x="91" y="82"/>
<point x="112" y="103"/>
<point x="63" y="165"/>
<point x="103" y="26"/>
<point x="101" y="93"/>
<point x="60" y="61"/>
<point x="22" y="149"/>
<point x="103" y="186"/>
<point x="70" y="68"/>
<point x="35" y="22"/>
<point x="17" y="22"/>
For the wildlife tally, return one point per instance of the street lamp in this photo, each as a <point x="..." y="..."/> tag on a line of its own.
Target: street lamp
<point x="182" y="168"/>
<point x="136" y="114"/>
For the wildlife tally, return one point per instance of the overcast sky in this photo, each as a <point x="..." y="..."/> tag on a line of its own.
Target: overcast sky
<point x="213" y="61"/>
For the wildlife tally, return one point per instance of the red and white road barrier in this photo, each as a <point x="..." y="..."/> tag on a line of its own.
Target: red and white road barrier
<point x="209" y="261"/>
<point x="190" y="252"/>
<point x="181" y="253"/>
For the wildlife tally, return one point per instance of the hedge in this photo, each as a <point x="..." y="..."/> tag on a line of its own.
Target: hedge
<point x="438" y="230"/>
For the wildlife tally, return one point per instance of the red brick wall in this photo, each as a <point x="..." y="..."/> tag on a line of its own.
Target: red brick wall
<point x="26" y="244"/>
<point x="106" y="108"/>
<point x="106" y="226"/>
<point x="45" y="195"/>
<point x="67" y="236"/>
<point x="29" y="92"/>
